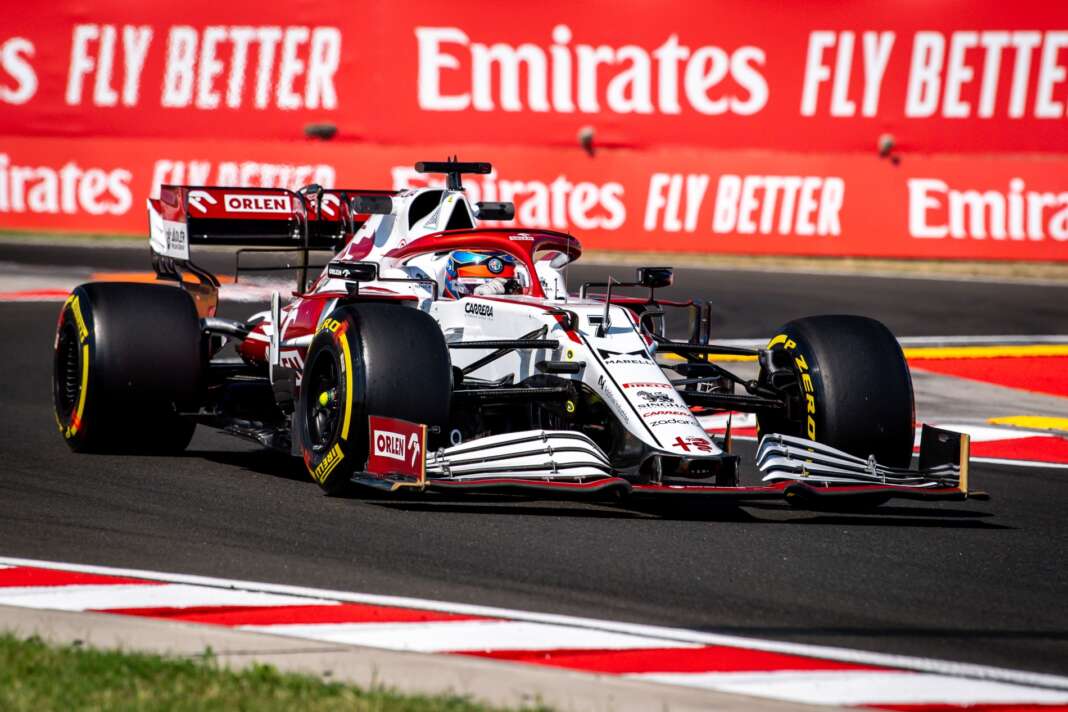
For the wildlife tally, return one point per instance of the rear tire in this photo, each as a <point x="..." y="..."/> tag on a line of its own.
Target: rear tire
<point x="128" y="359"/>
<point x="368" y="359"/>
<point x="849" y="387"/>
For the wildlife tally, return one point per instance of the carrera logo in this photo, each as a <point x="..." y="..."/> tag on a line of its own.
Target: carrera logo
<point x="479" y="309"/>
<point x="657" y="413"/>
<point x="394" y="446"/>
<point x="236" y="203"/>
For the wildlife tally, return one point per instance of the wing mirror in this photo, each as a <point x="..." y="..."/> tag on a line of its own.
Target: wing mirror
<point x="353" y="271"/>
<point x="655" y="277"/>
<point x="495" y="211"/>
<point x="373" y="204"/>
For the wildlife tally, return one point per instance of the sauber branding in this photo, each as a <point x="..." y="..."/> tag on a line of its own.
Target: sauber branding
<point x="243" y="203"/>
<point x="476" y="309"/>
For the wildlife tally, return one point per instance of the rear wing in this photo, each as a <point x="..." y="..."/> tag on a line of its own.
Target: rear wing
<point x="312" y="218"/>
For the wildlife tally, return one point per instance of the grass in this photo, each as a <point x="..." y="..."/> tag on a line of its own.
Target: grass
<point x="37" y="676"/>
<point x="60" y="236"/>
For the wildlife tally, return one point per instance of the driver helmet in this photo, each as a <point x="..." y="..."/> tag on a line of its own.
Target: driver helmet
<point x="466" y="270"/>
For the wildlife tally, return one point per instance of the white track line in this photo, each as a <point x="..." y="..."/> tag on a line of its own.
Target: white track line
<point x="860" y="687"/>
<point x="105" y="596"/>
<point x="455" y="636"/>
<point x="1021" y="463"/>
<point x="669" y="636"/>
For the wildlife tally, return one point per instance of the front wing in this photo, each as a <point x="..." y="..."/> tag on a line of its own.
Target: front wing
<point x="797" y="470"/>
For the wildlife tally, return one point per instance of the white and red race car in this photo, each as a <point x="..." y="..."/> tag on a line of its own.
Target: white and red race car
<point x="431" y="354"/>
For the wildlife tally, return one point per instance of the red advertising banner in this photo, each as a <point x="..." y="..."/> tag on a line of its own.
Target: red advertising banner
<point x="673" y="199"/>
<point x="938" y="76"/>
<point x="937" y="129"/>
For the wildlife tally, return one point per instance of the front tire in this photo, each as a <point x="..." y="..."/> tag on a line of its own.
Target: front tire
<point x="128" y="358"/>
<point x="848" y="385"/>
<point x="368" y="359"/>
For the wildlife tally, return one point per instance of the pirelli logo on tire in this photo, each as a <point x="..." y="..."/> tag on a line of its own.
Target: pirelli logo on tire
<point x="76" y="308"/>
<point x="803" y="373"/>
<point x="328" y="463"/>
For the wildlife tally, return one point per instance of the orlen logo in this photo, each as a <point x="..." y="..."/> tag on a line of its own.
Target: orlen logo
<point x="392" y="445"/>
<point x="235" y="203"/>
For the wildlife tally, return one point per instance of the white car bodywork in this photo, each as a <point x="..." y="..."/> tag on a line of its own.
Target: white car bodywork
<point x="619" y="361"/>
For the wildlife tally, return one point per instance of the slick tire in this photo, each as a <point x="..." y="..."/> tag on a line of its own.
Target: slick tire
<point x="128" y="358"/>
<point x="848" y="384"/>
<point x="368" y="359"/>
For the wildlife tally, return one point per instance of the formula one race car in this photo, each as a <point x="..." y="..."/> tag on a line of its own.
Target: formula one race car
<point x="434" y="355"/>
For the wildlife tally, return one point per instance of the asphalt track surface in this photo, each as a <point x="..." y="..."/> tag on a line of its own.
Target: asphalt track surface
<point x="980" y="582"/>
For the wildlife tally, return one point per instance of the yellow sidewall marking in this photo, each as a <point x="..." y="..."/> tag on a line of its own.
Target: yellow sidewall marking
<point x="324" y="468"/>
<point x="1033" y="422"/>
<point x="76" y="420"/>
<point x="344" y="339"/>
<point x="79" y="320"/>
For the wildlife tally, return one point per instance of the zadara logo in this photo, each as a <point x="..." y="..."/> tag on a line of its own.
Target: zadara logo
<point x="479" y="309"/>
<point x="237" y="203"/>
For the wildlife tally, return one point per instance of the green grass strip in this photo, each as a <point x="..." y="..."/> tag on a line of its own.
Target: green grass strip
<point x="37" y="676"/>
